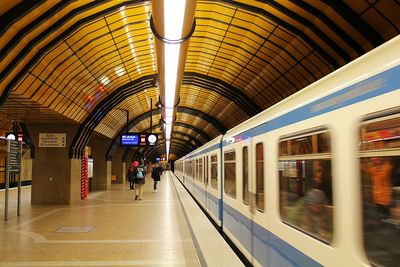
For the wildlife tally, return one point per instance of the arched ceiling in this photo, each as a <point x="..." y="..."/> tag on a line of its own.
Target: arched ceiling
<point x="87" y="62"/>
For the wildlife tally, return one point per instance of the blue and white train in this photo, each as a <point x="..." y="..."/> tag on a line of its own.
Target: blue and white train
<point x="315" y="179"/>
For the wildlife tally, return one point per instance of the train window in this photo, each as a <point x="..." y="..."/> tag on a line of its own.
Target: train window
<point x="193" y="166"/>
<point x="305" y="184"/>
<point x="380" y="183"/>
<point x="230" y="173"/>
<point x="303" y="145"/>
<point x="206" y="170"/>
<point x="196" y="163"/>
<point x="245" y="175"/>
<point x="214" y="171"/>
<point x="201" y="170"/>
<point x="260" y="176"/>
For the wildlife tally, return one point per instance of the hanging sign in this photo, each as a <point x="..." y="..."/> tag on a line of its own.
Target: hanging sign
<point x="52" y="139"/>
<point x="138" y="139"/>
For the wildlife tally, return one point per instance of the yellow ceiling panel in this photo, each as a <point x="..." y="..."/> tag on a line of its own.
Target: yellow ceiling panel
<point x="206" y="29"/>
<point x="263" y="59"/>
<point x="51" y="98"/>
<point x="23" y="21"/>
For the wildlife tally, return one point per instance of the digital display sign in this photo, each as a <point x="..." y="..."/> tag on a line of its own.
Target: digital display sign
<point x="138" y="139"/>
<point x="129" y="140"/>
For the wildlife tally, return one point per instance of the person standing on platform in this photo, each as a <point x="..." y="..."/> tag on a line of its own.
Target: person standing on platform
<point x="155" y="174"/>
<point x="131" y="175"/>
<point x="140" y="175"/>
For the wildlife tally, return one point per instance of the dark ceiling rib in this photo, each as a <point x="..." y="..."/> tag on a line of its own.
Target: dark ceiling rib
<point x="191" y="138"/>
<point x="113" y="148"/>
<point x="290" y="27"/>
<point x="222" y="41"/>
<point x="115" y="43"/>
<point x="268" y="84"/>
<point x="355" y="21"/>
<point x="48" y="46"/>
<point x="16" y="13"/>
<point x="161" y="146"/>
<point x="160" y="150"/>
<point x="335" y="28"/>
<point x="311" y="27"/>
<point x="187" y="126"/>
<point x="37" y="22"/>
<point x="239" y="48"/>
<point x="115" y="143"/>
<point x="224" y="89"/>
<point x="213" y="121"/>
<point x="106" y="105"/>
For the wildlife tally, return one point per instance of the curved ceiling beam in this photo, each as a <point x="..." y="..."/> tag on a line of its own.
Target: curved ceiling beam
<point x="191" y="138"/>
<point x="338" y="30"/>
<point x="222" y="129"/>
<point x="311" y="27"/>
<point x="183" y="143"/>
<point x="17" y="12"/>
<point x="100" y="111"/>
<point x="354" y="19"/>
<point x="174" y="147"/>
<point x="116" y="97"/>
<point x="192" y="141"/>
<point x="49" y="45"/>
<point x="181" y="124"/>
<point x="288" y="26"/>
<point x="237" y="96"/>
<point x="178" y="151"/>
<point x="176" y="138"/>
<point x="115" y="143"/>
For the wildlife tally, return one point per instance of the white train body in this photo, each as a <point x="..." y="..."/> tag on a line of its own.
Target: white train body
<point x="336" y="105"/>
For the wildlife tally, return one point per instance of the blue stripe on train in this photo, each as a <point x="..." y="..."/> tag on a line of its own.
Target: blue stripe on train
<point x="379" y="84"/>
<point x="266" y="248"/>
<point x="206" y="150"/>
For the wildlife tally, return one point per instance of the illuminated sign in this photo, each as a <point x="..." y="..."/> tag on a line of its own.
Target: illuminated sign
<point x="138" y="139"/>
<point x="15" y="136"/>
<point x="152" y="139"/>
<point x="129" y="140"/>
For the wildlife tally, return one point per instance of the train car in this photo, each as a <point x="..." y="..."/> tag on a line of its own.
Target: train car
<point x="200" y="172"/>
<point x="315" y="179"/>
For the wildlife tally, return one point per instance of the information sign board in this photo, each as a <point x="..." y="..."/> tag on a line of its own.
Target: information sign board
<point x="15" y="156"/>
<point x="52" y="139"/>
<point x="129" y="140"/>
<point x="138" y="139"/>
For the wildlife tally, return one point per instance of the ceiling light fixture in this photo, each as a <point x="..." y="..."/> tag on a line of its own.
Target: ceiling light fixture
<point x="119" y="71"/>
<point x="104" y="80"/>
<point x="171" y="48"/>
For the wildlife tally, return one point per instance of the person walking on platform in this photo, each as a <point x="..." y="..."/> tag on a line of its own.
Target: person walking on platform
<point x="155" y="174"/>
<point x="140" y="175"/>
<point x="131" y="175"/>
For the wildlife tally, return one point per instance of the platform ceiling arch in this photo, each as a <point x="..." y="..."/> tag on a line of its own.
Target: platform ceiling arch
<point x="85" y="62"/>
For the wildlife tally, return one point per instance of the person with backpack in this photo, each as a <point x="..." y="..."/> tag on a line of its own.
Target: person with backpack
<point x="140" y="174"/>
<point x="131" y="175"/>
<point x="155" y="174"/>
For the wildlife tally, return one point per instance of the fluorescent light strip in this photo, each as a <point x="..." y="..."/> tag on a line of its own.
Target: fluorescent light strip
<point x="167" y="144"/>
<point x="174" y="11"/>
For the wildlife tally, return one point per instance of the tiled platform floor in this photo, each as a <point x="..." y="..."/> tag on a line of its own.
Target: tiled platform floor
<point x="112" y="229"/>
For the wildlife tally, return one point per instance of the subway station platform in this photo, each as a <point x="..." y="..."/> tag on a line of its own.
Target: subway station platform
<point x="111" y="228"/>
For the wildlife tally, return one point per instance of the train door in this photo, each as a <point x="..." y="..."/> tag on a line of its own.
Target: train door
<point x="256" y="190"/>
<point x="207" y="181"/>
<point x="204" y="181"/>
